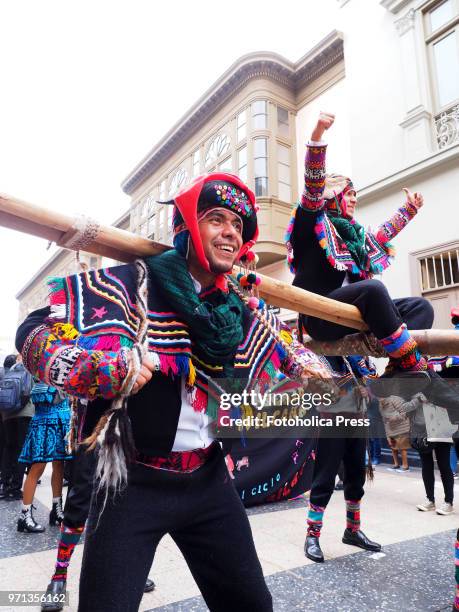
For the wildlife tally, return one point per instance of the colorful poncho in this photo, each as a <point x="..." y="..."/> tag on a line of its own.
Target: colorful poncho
<point x="98" y="310"/>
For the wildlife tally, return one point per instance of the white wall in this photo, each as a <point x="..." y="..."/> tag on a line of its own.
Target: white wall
<point x="375" y="95"/>
<point x="333" y="100"/>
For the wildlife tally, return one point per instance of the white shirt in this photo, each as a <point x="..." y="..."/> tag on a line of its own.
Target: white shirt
<point x="193" y="430"/>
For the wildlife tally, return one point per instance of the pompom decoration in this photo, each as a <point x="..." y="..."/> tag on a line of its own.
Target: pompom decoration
<point x="250" y="256"/>
<point x="261" y="303"/>
<point x="243" y="281"/>
<point x="251" y="278"/>
<point x="253" y="303"/>
<point x="239" y="276"/>
<point x="258" y="281"/>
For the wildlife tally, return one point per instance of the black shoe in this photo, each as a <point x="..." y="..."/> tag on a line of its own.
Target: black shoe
<point x="27" y="523"/>
<point x="312" y="549"/>
<point x="55" y="594"/>
<point x="358" y="538"/>
<point x="56" y="516"/>
<point x="339" y="486"/>
<point x="149" y="586"/>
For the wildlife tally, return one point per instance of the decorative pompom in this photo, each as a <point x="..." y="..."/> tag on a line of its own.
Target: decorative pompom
<point x="251" y="278"/>
<point x="261" y="304"/>
<point x="239" y="276"/>
<point x="243" y="281"/>
<point x="253" y="303"/>
<point x="256" y="260"/>
<point x="258" y="281"/>
<point x="250" y="256"/>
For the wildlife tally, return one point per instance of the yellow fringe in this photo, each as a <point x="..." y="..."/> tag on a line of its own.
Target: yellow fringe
<point x="286" y="336"/>
<point x="191" y="374"/>
<point x="65" y="331"/>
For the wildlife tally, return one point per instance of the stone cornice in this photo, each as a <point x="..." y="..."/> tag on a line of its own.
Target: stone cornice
<point x="292" y="75"/>
<point x="394" y="6"/>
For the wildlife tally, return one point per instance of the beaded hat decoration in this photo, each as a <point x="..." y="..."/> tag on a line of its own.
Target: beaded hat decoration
<point x="234" y="198"/>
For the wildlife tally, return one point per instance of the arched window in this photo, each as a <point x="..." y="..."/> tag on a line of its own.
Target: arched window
<point x="217" y="147"/>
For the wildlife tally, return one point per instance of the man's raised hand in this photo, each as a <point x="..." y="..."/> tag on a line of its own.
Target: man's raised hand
<point x="324" y="122"/>
<point x="415" y="198"/>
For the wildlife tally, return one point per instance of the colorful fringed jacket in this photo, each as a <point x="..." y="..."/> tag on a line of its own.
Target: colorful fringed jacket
<point x="317" y="255"/>
<point x="81" y="346"/>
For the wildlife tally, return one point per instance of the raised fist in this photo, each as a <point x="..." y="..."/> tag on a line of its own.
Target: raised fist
<point x="324" y="122"/>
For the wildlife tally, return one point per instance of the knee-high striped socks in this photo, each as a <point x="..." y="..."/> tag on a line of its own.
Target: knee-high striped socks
<point x="403" y="350"/>
<point x="353" y="514"/>
<point x="70" y="536"/>
<point x="315" y="520"/>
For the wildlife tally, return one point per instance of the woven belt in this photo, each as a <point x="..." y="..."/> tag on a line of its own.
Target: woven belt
<point x="179" y="461"/>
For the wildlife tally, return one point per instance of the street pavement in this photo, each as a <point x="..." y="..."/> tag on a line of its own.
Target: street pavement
<point x="415" y="570"/>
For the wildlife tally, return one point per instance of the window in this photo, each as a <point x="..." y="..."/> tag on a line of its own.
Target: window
<point x="162" y="190"/>
<point x="439" y="270"/>
<point x="241" y="126"/>
<point x="162" y="229"/>
<point x="151" y="227"/>
<point x="260" y="115"/>
<point x="442" y="39"/>
<point x="218" y="146"/>
<point x="242" y="164"/>
<point x="177" y="181"/>
<point x="283" y="173"/>
<point x="260" y="164"/>
<point x="226" y="165"/>
<point x="170" y="210"/>
<point x="441" y="14"/>
<point x="282" y="122"/>
<point x="196" y="162"/>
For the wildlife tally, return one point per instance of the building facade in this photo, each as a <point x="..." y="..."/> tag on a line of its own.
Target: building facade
<point x="390" y="73"/>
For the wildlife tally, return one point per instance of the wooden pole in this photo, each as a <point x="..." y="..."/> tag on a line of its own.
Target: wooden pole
<point x="433" y="342"/>
<point x="125" y="246"/>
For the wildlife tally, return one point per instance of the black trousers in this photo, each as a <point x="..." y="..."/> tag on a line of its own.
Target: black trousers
<point x="382" y="314"/>
<point x="82" y="469"/>
<point x="442" y="451"/>
<point x="205" y="517"/>
<point x="15" y="431"/>
<point x="330" y="452"/>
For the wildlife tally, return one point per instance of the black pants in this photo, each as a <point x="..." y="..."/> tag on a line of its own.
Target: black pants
<point x="382" y="314"/>
<point x="15" y="431"/>
<point x="77" y="503"/>
<point x="442" y="451"/>
<point x="205" y="517"/>
<point x="330" y="452"/>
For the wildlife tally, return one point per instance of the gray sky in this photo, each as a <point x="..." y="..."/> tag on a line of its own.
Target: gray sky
<point x="88" y="87"/>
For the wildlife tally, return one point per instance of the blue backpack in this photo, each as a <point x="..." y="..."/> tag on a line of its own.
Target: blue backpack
<point x="14" y="390"/>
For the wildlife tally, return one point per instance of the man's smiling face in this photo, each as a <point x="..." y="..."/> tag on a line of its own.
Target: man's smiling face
<point x="221" y="235"/>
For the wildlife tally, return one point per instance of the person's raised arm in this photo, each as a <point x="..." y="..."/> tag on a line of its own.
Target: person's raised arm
<point x="314" y="165"/>
<point x="390" y="228"/>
